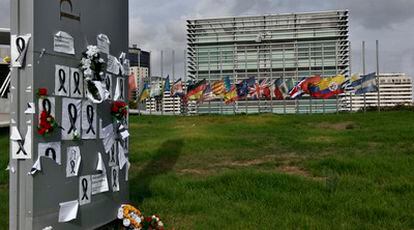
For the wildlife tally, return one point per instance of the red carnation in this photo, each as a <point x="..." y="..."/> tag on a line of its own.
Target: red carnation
<point x="42" y="92"/>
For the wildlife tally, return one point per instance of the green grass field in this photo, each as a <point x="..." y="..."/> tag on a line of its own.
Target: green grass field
<point x="347" y="171"/>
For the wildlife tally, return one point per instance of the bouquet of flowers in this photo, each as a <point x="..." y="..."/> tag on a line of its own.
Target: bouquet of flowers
<point x="153" y="223"/>
<point x="119" y="110"/>
<point x="93" y="67"/>
<point x="47" y="124"/>
<point x="132" y="218"/>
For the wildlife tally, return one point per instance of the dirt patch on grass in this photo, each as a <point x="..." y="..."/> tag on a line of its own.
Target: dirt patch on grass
<point x="296" y="171"/>
<point x="346" y="125"/>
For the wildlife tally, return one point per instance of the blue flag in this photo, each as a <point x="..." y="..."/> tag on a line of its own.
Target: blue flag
<point x="365" y="84"/>
<point x="167" y="86"/>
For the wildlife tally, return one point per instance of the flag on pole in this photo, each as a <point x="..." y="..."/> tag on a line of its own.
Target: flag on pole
<point x="208" y="94"/>
<point x="243" y="87"/>
<point x="282" y="87"/>
<point x="195" y="92"/>
<point x="227" y="83"/>
<point x="365" y="84"/>
<point x="167" y="87"/>
<point x="254" y="91"/>
<point x="178" y="89"/>
<point x="145" y="93"/>
<point x="218" y="88"/>
<point x="327" y="87"/>
<point x="302" y="86"/>
<point x="231" y="95"/>
<point x="156" y="89"/>
<point x="265" y="89"/>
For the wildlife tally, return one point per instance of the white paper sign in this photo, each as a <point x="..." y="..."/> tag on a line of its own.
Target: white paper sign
<point x="99" y="183"/>
<point x="50" y="150"/>
<point x="71" y="118"/>
<point x="103" y="43"/>
<point x="68" y="211"/>
<point x="31" y="109"/>
<point x="85" y="190"/>
<point x="119" y="90"/>
<point x="100" y="166"/>
<point x="121" y="156"/>
<point x="37" y="167"/>
<point x="21" y="148"/>
<point x="73" y="161"/>
<point x="89" y="120"/>
<point x="115" y="179"/>
<point x="19" y="47"/>
<point x="62" y="80"/>
<point x="76" y="83"/>
<point x="108" y="85"/>
<point x="47" y="104"/>
<point x="63" y="43"/>
<point x="112" y="65"/>
<point x="112" y="156"/>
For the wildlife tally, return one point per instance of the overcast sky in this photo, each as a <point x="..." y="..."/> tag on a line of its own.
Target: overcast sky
<point x="160" y="25"/>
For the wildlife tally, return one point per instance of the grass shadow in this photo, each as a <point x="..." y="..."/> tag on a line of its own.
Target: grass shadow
<point x="163" y="162"/>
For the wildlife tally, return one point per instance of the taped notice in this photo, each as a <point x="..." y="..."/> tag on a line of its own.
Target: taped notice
<point x="63" y="43"/>
<point x="99" y="183"/>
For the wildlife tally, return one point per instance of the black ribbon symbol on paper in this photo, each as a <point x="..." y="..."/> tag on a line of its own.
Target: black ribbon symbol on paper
<point x="73" y="116"/>
<point x="72" y="166"/>
<point x="114" y="174"/>
<point x="90" y="115"/>
<point x="20" y="45"/>
<point x="47" y="106"/>
<point x="21" y="148"/>
<point x="62" y="80"/>
<point x="121" y="89"/>
<point x="51" y="150"/>
<point x="113" y="154"/>
<point x="76" y="79"/>
<point x="85" y="189"/>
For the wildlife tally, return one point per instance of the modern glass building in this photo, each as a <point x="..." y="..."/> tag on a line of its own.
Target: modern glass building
<point x="269" y="47"/>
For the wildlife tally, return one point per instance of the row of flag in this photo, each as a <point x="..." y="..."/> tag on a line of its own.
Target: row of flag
<point x="315" y="86"/>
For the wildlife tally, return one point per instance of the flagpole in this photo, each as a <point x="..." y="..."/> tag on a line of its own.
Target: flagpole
<point x="336" y="70"/>
<point x="297" y="74"/>
<point x="150" y="81"/>
<point x="283" y="76"/>
<point x="173" y="78"/>
<point x="323" y="75"/>
<point x="271" y="78"/>
<point x="221" y="76"/>
<point x="247" y="77"/>
<point x="234" y="78"/>
<point x="378" y="76"/>
<point x="350" y="73"/>
<point x="209" y="80"/>
<point x="258" y="77"/>
<point x="310" y="74"/>
<point x="363" y="73"/>
<point x="183" y="103"/>
<point x="162" y="74"/>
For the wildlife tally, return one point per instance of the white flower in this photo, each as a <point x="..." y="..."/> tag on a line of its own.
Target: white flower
<point x="92" y="51"/>
<point x="101" y="60"/>
<point x="160" y="224"/>
<point x="87" y="72"/>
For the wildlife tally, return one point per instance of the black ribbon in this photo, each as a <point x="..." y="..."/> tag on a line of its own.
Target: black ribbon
<point x="21" y="148"/>
<point x="90" y="115"/>
<point x="20" y="45"/>
<point x="121" y="88"/>
<point x="47" y="106"/>
<point x="47" y="152"/>
<point x="72" y="166"/>
<point x="113" y="154"/>
<point x="114" y="174"/>
<point x="85" y="189"/>
<point x="73" y="116"/>
<point x="62" y="80"/>
<point x="76" y="79"/>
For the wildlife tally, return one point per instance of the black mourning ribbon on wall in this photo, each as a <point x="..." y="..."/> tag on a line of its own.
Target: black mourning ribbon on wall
<point x="73" y="116"/>
<point x="76" y="79"/>
<point x="51" y="150"/>
<point x="20" y="45"/>
<point x="47" y="106"/>
<point x="72" y="166"/>
<point x="90" y="115"/>
<point x="21" y="148"/>
<point x="62" y="80"/>
<point x="85" y="189"/>
<point x="121" y="88"/>
<point x="114" y="174"/>
<point x="113" y="154"/>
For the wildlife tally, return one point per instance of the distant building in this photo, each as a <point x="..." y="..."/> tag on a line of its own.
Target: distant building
<point x="4" y="52"/>
<point x="293" y="45"/>
<point x="165" y="104"/>
<point x="140" y="67"/>
<point x="395" y="89"/>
